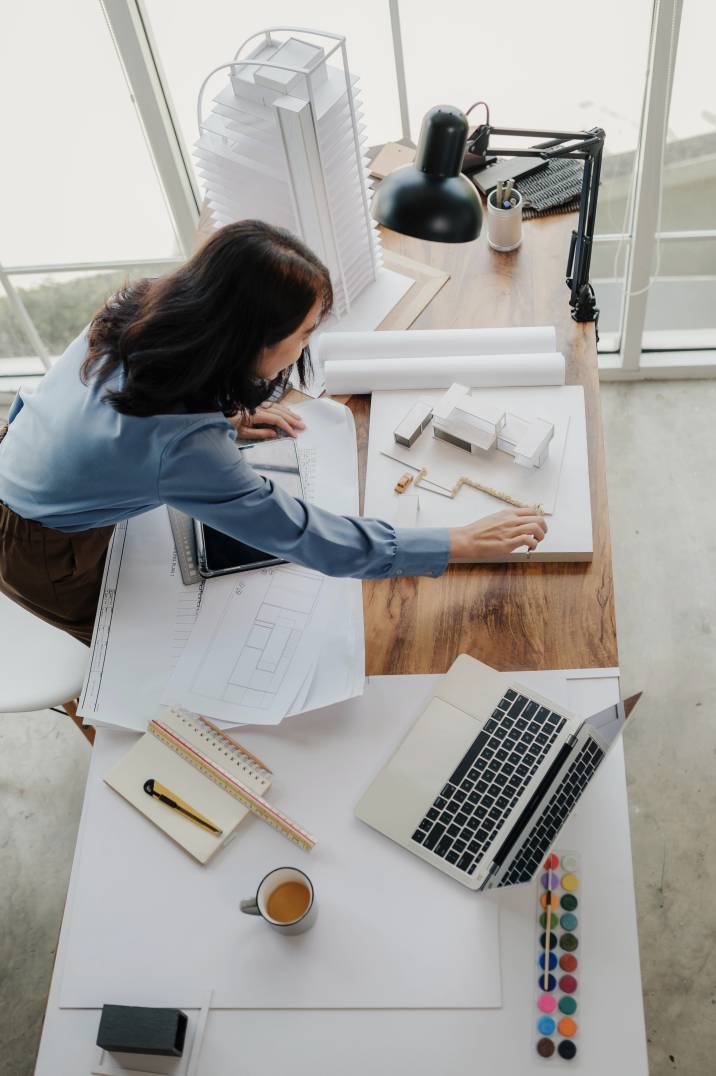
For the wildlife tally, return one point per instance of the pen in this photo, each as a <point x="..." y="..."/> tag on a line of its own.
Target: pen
<point x="165" y="795"/>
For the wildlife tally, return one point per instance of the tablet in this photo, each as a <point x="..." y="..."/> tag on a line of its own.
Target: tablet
<point x="218" y="553"/>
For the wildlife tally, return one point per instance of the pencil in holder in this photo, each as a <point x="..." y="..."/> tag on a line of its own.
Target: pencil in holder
<point x="504" y="226"/>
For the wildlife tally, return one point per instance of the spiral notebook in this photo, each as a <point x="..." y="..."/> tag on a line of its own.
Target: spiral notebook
<point x="162" y="755"/>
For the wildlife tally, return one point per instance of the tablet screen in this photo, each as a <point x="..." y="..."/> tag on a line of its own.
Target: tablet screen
<point x="219" y="553"/>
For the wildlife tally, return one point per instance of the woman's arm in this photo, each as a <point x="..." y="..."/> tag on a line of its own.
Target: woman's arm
<point x="203" y="474"/>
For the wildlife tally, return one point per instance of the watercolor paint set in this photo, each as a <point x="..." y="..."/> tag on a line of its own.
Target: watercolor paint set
<point x="558" y="958"/>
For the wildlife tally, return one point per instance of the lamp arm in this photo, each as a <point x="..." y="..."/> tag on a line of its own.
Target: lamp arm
<point x="588" y="147"/>
<point x="582" y="298"/>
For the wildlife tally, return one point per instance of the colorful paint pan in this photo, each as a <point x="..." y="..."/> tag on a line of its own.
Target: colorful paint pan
<point x="551" y="963"/>
<point x="558" y="936"/>
<point x="545" y="1047"/>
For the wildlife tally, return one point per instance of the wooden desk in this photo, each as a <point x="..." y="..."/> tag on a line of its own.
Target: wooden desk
<point x="512" y="616"/>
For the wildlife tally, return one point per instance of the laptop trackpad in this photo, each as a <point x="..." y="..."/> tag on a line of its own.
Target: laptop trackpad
<point x="400" y="794"/>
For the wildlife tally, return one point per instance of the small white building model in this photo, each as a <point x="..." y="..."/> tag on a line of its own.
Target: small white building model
<point x="476" y="425"/>
<point x="412" y="425"/>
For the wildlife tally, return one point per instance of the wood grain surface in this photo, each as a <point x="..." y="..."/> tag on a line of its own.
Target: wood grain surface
<point x="511" y="616"/>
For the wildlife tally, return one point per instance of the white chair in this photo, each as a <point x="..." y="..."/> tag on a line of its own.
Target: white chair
<point x="40" y="666"/>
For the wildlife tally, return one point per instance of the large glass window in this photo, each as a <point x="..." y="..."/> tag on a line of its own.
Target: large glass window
<point x="77" y="183"/>
<point x="60" y="304"/>
<point x="681" y="307"/>
<point x="561" y="66"/>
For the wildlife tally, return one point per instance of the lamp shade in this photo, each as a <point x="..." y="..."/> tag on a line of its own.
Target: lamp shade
<point x="431" y="199"/>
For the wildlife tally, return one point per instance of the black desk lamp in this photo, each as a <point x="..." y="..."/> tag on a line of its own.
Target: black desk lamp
<point x="431" y="199"/>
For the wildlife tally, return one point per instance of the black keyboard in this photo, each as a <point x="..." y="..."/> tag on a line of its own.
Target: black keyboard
<point x="555" y="814"/>
<point x="471" y="808"/>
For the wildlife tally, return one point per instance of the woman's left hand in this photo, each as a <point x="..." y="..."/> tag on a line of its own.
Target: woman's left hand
<point x="274" y="415"/>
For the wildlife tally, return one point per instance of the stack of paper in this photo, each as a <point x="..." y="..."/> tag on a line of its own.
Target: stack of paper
<point x="285" y="143"/>
<point x="247" y="648"/>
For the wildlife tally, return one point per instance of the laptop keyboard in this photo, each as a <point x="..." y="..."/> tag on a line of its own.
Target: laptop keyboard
<point x="469" y="811"/>
<point x="548" y="825"/>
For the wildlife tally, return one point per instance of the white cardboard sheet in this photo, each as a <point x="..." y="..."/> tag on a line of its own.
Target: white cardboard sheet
<point x="562" y="484"/>
<point x="141" y="911"/>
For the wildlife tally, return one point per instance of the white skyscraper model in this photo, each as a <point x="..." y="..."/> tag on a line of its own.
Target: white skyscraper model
<point x="283" y="142"/>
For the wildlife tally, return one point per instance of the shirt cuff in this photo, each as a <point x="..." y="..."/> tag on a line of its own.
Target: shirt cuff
<point x="421" y="551"/>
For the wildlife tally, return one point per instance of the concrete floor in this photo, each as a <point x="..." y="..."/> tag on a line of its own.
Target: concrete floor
<point x="661" y="444"/>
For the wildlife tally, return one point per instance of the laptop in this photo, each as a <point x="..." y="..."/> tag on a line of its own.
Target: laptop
<point x="488" y="775"/>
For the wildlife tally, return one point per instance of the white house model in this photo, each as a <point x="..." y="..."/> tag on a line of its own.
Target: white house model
<point x="477" y="425"/>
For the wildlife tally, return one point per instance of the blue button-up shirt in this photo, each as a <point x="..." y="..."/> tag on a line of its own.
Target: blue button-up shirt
<point x="71" y="462"/>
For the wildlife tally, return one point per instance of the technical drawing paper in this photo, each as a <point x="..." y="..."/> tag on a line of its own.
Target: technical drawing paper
<point x="146" y="614"/>
<point x="257" y="637"/>
<point x="144" y="617"/>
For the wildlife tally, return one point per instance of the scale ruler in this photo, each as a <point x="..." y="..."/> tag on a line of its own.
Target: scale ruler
<point x="230" y="784"/>
<point x="185" y="545"/>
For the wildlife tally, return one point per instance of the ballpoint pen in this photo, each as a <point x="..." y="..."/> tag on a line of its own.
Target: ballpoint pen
<point x="170" y="799"/>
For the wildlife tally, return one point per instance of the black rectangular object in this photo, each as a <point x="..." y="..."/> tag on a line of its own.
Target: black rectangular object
<point x="136" y="1029"/>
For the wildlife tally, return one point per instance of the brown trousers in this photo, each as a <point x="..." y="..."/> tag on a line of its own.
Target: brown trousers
<point x="54" y="575"/>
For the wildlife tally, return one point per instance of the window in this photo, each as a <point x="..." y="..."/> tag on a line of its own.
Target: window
<point x="78" y="186"/>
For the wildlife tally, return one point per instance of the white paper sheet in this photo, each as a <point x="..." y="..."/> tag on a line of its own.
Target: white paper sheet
<point x="144" y="618"/>
<point x="347" y="376"/>
<point x="391" y="930"/>
<point x="257" y="638"/>
<point x="327" y="665"/>
<point x="562" y="484"/>
<point x="146" y="614"/>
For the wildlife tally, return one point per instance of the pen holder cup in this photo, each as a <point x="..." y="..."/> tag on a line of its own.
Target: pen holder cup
<point x="504" y="226"/>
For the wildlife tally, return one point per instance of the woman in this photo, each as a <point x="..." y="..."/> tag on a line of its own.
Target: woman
<point x="144" y="409"/>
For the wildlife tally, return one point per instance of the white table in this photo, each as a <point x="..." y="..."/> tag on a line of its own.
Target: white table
<point x="443" y="1042"/>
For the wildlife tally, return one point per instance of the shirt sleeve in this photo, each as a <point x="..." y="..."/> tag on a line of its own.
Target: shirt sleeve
<point x="203" y="474"/>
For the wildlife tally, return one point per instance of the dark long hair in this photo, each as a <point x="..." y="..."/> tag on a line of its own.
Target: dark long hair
<point x="191" y="339"/>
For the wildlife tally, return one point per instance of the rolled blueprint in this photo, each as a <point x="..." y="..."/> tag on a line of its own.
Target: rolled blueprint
<point x="413" y="343"/>
<point x="349" y="376"/>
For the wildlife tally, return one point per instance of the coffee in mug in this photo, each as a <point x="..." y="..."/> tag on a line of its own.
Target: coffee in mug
<point x="285" y="900"/>
<point x="288" y="902"/>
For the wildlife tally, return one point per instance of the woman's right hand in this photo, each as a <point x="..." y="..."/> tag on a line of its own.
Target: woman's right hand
<point x="494" y="536"/>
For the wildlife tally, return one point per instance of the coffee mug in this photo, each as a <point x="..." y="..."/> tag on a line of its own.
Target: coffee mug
<point x="285" y="900"/>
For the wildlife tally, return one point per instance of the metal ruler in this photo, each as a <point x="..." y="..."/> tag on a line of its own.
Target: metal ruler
<point x="185" y="545"/>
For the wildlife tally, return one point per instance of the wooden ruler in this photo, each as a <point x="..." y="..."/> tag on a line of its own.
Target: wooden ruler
<point x="230" y="784"/>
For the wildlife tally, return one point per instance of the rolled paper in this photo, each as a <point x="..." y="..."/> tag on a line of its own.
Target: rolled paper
<point x="423" y="343"/>
<point x="364" y="375"/>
